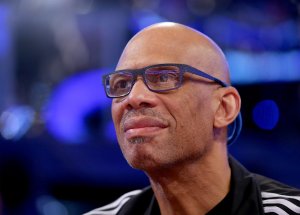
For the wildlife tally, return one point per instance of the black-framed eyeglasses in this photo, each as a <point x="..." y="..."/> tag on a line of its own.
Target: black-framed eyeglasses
<point x="158" y="78"/>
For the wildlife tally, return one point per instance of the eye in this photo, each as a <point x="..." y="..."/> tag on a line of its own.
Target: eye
<point x="120" y="81"/>
<point x="121" y="84"/>
<point x="157" y="76"/>
<point x="171" y="75"/>
<point x="161" y="75"/>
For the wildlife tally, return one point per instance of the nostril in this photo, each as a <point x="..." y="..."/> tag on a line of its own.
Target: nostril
<point x="140" y="100"/>
<point x="145" y="104"/>
<point x="137" y="104"/>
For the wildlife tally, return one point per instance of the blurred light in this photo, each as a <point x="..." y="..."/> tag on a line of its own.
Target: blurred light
<point x="264" y="67"/>
<point x="143" y="4"/>
<point x="266" y="114"/>
<point x="84" y="6"/>
<point x="7" y="56"/>
<point x="42" y="4"/>
<point x="73" y="50"/>
<point x="4" y="31"/>
<point x="201" y="8"/>
<point x="47" y="205"/>
<point x="15" y="122"/>
<point x="72" y="106"/>
<point x="144" y="18"/>
<point x="253" y="35"/>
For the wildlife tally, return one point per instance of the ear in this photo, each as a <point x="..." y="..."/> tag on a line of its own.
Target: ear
<point x="229" y="107"/>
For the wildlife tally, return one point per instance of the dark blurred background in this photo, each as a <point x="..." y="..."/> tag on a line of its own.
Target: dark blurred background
<point x="58" y="150"/>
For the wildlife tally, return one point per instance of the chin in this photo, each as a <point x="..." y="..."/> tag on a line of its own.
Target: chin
<point x="141" y="161"/>
<point x="149" y="163"/>
<point x="144" y="161"/>
<point x="143" y="154"/>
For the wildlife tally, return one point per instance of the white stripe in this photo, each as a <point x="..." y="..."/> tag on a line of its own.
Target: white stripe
<point x="276" y="210"/>
<point x="271" y="195"/>
<point x="120" y="199"/>
<point x="284" y="202"/>
<point x="114" y="211"/>
<point x="115" y="206"/>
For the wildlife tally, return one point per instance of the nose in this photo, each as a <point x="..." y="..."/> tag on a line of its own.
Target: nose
<point x="140" y="96"/>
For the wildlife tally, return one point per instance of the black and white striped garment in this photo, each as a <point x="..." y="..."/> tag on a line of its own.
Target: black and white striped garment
<point x="114" y="207"/>
<point x="250" y="194"/>
<point x="274" y="203"/>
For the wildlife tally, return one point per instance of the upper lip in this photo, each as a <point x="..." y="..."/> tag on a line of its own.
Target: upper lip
<point x="143" y="122"/>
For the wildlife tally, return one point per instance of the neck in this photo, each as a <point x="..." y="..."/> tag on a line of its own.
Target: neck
<point x="193" y="188"/>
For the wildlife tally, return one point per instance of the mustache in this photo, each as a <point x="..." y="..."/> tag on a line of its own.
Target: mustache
<point x="145" y="112"/>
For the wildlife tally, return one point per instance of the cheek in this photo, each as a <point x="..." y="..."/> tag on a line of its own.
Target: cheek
<point x="193" y="118"/>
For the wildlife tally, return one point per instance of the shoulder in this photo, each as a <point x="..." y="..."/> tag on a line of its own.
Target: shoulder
<point x="278" y="198"/>
<point x="114" y="207"/>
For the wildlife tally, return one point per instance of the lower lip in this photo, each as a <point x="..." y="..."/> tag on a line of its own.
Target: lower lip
<point x="146" y="131"/>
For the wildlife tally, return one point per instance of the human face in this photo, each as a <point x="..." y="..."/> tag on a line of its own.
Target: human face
<point x="158" y="130"/>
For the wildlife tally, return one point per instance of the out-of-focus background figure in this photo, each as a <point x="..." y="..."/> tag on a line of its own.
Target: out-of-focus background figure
<point x="58" y="150"/>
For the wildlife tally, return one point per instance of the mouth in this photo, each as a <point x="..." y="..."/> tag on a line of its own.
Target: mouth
<point x="142" y="126"/>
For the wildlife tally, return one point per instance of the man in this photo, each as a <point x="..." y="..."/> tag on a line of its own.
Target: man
<point x="172" y="104"/>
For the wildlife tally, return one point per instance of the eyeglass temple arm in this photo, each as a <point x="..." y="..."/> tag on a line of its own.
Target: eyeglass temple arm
<point x="205" y="75"/>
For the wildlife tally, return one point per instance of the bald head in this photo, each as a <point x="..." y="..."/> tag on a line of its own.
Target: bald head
<point x="169" y="42"/>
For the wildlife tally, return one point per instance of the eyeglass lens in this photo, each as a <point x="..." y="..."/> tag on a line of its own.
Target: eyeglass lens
<point x="160" y="78"/>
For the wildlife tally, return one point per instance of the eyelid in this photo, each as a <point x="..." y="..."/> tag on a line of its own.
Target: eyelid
<point x="116" y="77"/>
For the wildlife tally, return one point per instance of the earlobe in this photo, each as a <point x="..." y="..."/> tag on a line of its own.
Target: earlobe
<point x="229" y="107"/>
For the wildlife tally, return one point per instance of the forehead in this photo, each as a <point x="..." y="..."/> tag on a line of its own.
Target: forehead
<point x="149" y="50"/>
